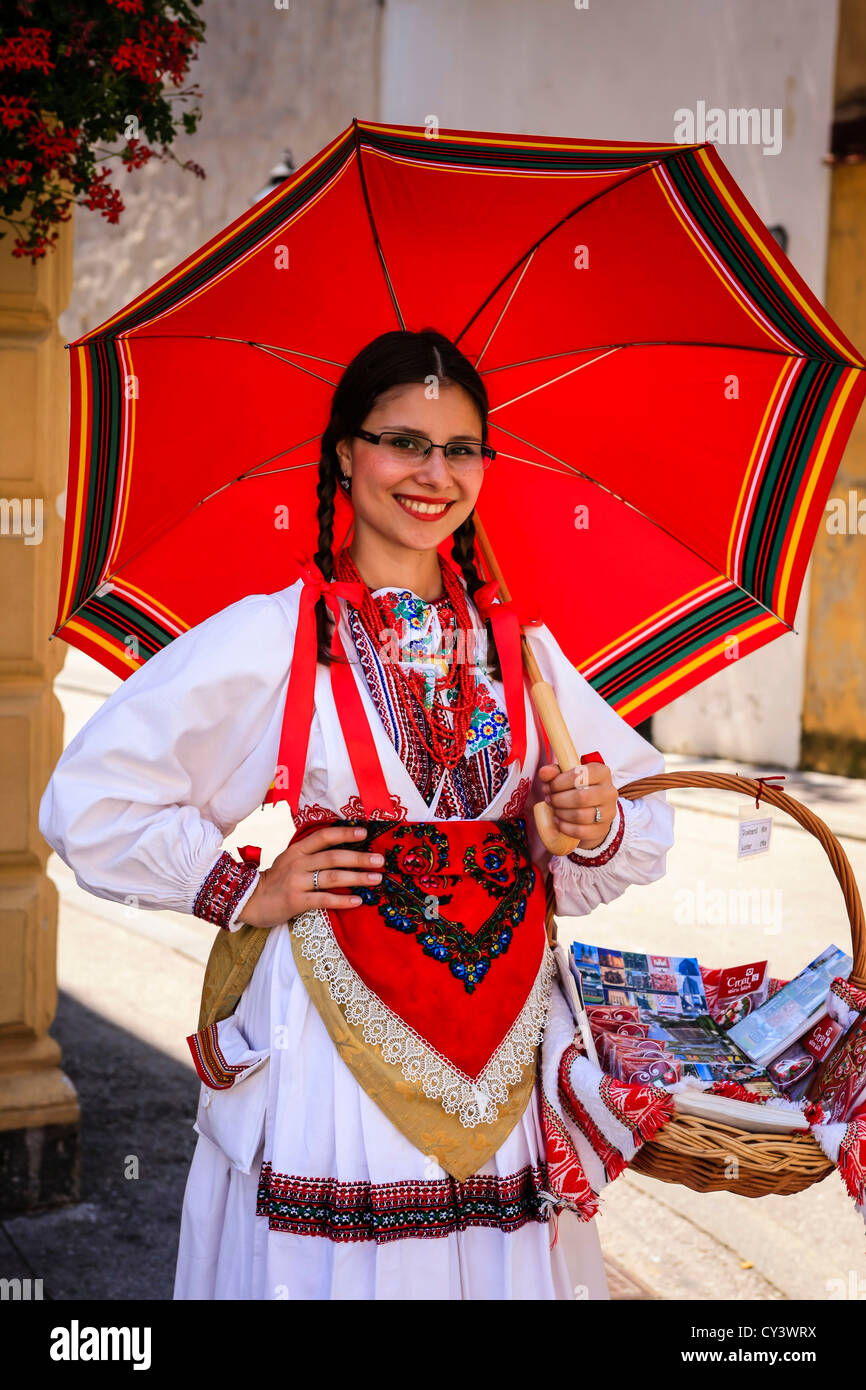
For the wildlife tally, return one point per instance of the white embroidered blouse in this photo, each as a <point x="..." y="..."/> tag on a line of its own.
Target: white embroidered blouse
<point x="142" y="799"/>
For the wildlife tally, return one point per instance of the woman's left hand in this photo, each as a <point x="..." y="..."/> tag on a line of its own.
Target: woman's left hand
<point x="574" y="806"/>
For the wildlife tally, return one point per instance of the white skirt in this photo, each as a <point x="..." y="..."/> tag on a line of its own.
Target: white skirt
<point x="317" y="1222"/>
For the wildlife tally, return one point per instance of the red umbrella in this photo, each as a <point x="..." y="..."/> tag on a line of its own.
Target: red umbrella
<point x="669" y="400"/>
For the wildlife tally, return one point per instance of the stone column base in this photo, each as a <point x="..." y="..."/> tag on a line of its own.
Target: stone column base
<point x="39" y="1168"/>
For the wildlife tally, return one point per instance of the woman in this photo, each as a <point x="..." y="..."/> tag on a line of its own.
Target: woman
<point x="370" y="1116"/>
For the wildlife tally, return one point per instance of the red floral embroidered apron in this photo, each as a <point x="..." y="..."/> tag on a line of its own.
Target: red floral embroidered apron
<point x="452" y="938"/>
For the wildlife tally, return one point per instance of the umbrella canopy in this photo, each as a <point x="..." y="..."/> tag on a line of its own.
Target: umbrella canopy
<point x="669" y="400"/>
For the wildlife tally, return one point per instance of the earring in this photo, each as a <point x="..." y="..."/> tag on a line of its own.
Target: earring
<point x="345" y="482"/>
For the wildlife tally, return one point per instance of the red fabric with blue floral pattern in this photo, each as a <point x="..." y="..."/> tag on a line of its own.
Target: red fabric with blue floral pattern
<point x="453" y="937"/>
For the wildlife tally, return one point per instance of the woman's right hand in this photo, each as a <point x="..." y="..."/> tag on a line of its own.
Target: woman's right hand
<point x="286" y="888"/>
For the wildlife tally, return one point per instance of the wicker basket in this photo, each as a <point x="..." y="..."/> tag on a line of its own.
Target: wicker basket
<point x="698" y="1153"/>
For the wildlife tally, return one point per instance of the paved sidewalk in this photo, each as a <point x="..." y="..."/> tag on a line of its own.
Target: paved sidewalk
<point x="130" y="983"/>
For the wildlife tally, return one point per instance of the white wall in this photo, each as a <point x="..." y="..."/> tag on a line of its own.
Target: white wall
<point x="270" y="79"/>
<point x="619" y="70"/>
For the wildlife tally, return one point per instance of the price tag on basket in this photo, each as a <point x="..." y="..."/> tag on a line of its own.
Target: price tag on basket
<point x="754" y="836"/>
<point x="756" y="823"/>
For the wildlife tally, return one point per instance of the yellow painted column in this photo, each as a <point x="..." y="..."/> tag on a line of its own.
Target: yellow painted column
<point x="39" y="1111"/>
<point x="834" y="701"/>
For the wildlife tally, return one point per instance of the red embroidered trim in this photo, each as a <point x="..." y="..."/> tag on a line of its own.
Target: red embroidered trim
<point x="517" y="801"/>
<point x="314" y="814"/>
<point x="641" y="1109"/>
<point x="384" y="1212"/>
<point x="209" y="1061"/>
<point x="611" y="1159"/>
<point x="852" y="1159"/>
<point x="222" y="890"/>
<point x="354" y="810"/>
<point x="849" y="994"/>
<point x="587" y="856"/>
<point x="735" y="1091"/>
<point x="568" y="1180"/>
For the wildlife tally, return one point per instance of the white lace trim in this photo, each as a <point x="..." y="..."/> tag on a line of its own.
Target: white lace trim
<point x="475" y="1100"/>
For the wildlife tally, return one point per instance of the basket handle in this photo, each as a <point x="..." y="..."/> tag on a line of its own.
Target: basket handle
<point x="748" y="786"/>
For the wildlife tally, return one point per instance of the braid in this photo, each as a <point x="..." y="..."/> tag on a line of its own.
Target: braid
<point x="326" y="491"/>
<point x="463" y="551"/>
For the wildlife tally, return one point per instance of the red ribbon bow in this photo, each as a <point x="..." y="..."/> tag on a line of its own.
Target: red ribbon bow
<point x="506" y="620"/>
<point x="298" y="715"/>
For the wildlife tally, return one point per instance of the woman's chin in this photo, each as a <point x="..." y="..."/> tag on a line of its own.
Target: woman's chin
<point x="422" y="535"/>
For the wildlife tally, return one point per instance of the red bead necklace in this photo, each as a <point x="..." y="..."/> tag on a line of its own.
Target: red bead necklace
<point x="443" y="739"/>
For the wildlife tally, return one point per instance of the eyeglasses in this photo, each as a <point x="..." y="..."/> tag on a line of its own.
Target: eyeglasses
<point x="412" y="448"/>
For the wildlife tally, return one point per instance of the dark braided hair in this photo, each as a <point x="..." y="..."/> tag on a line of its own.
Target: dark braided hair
<point x="396" y="358"/>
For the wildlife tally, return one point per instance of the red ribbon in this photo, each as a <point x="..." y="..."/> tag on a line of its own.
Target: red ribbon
<point x="298" y="714"/>
<point x="771" y="777"/>
<point x="506" y="620"/>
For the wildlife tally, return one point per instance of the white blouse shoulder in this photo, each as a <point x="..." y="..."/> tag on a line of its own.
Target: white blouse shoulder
<point x="142" y="798"/>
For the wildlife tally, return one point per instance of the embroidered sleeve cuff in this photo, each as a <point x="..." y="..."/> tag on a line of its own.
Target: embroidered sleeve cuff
<point x="609" y="845"/>
<point x="224" y="892"/>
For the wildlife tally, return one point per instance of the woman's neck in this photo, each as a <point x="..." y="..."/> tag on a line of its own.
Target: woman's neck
<point x="385" y="566"/>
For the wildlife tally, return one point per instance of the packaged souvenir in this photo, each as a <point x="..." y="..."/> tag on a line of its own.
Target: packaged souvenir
<point x="648" y="1071"/>
<point x="821" y="1039"/>
<point x="734" y="991"/>
<point x="792" y="1070"/>
<point x="658" y="1028"/>
<point x="792" y="1011"/>
<point x="613" y="1045"/>
<point x="605" y="1015"/>
<point x="840" y="1084"/>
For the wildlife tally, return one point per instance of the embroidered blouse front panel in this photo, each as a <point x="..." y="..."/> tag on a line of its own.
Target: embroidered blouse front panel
<point x="422" y="636"/>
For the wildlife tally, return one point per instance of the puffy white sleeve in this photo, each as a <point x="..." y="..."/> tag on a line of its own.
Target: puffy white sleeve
<point x="635" y="849"/>
<point x="130" y="804"/>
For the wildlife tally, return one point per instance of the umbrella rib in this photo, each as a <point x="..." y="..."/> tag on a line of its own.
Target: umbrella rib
<point x="271" y="352"/>
<point x="661" y="342"/>
<point x="250" y="473"/>
<point x="373" y="227"/>
<point x="218" y="337"/>
<point x="274" y="349"/>
<point x="602" y="193"/>
<point x="504" y="308"/>
<point x="552" y="380"/>
<point x="572" y="468"/>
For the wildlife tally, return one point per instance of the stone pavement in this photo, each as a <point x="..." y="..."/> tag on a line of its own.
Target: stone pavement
<point x="130" y="983"/>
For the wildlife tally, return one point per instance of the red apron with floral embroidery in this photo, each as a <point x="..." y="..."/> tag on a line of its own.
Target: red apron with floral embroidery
<point x="452" y="938"/>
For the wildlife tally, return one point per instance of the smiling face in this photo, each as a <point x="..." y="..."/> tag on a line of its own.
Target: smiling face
<point x="413" y="506"/>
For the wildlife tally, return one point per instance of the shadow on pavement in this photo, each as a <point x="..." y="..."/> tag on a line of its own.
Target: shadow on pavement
<point x="137" y="1112"/>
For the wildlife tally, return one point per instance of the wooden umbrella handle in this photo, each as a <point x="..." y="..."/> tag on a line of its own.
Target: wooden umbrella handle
<point x="562" y="747"/>
<point x="544" y="699"/>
